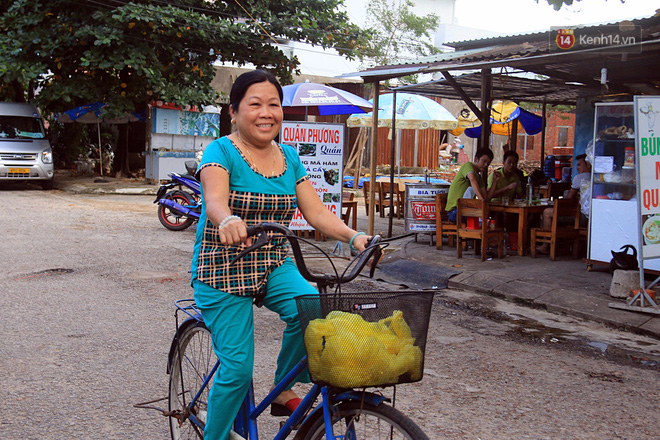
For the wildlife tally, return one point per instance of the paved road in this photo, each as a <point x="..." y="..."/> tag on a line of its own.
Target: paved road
<point x="88" y="285"/>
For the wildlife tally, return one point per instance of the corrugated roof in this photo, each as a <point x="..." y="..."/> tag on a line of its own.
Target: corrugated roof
<point x="633" y="72"/>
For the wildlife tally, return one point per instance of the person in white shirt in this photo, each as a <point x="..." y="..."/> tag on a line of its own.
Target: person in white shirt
<point x="579" y="186"/>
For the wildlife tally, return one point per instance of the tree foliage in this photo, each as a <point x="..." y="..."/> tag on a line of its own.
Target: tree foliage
<point x="557" y="4"/>
<point x="125" y="53"/>
<point x="396" y="32"/>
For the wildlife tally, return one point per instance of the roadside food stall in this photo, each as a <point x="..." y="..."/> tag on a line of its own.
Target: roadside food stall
<point x="176" y="135"/>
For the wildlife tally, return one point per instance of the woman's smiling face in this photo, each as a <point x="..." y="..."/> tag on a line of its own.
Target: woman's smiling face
<point x="259" y="115"/>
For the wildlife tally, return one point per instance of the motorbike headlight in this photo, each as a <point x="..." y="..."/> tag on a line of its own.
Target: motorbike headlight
<point x="47" y="156"/>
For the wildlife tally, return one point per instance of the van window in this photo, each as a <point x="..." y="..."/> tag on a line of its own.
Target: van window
<point x="21" y="127"/>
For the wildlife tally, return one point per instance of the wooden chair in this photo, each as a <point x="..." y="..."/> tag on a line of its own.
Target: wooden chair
<point x="365" y="189"/>
<point x="349" y="210"/>
<point x="442" y="224"/>
<point x="562" y="208"/>
<point x="478" y="209"/>
<point x="386" y="193"/>
<point x="556" y="189"/>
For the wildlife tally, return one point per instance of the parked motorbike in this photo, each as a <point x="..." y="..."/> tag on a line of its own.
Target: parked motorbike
<point x="179" y="201"/>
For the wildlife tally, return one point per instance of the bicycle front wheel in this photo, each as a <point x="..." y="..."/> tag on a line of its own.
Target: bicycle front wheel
<point x="191" y="365"/>
<point x="361" y="420"/>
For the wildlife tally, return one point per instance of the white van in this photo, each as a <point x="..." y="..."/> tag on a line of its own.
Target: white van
<point x="25" y="153"/>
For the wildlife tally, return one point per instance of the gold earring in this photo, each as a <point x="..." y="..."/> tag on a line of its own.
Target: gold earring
<point x="233" y="121"/>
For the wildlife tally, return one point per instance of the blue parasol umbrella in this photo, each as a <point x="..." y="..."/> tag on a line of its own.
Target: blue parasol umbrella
<point x="95" y="114"/>
<point x="309" y="98"/>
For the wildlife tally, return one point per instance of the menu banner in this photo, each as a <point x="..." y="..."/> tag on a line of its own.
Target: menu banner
<point x="320" y="147"/>
<point x="648" y="159"/>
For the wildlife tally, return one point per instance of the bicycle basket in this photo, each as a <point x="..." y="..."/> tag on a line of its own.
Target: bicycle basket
<point x="356" y="340"/>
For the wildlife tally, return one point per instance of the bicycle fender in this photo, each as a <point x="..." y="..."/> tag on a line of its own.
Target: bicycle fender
<point x="182" y="328"/>
<point x="350" y="395"/>
<point x="372" y="398"/>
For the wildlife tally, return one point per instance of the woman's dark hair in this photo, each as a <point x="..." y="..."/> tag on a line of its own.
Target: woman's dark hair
<point x="244" y="81"/>
<point x="483" y="151"/>
<point x="510" y="153"/>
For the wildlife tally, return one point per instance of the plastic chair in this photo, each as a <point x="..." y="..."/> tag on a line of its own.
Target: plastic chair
<point x="478" y="210"/>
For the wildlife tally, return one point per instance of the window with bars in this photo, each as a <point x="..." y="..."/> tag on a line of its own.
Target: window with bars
<point x="562" y="136"/>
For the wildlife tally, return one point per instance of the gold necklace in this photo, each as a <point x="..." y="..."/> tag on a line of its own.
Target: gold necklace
<point x="245" y="147"/>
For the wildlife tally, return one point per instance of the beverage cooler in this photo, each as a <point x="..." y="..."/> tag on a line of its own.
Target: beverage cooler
<point x="614" y="214"/>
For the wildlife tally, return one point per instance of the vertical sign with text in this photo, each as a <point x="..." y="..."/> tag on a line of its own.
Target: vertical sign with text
<point x="647" y="132"/>
<point x="320" y="147"/>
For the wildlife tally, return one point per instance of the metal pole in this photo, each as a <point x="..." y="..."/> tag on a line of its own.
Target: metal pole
<point x="372" y="169"/>
<point x="389" y="226"/>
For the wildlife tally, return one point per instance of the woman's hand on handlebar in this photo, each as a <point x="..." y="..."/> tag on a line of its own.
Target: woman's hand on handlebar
<point x="361" y="241"/>
<point x="234" y="232"/>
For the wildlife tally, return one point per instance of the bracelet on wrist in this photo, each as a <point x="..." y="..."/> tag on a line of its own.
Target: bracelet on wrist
<point x="228" y="219"/>
<point x="350" y="243"/>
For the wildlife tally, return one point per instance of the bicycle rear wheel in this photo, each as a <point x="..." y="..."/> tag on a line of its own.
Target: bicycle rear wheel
<point x="191" y="365"/>
<point x="361" y="420"/>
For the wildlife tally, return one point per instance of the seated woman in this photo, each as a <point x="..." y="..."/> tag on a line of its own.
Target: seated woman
<point x="468" y="182"/>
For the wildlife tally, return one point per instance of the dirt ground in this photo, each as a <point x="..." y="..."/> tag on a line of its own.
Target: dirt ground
<point x="88" y="291"/>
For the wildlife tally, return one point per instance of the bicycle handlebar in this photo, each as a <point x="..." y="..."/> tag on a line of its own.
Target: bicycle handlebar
<point x="326" y="279"/>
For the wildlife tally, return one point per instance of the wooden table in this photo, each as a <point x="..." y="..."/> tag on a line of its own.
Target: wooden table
<point x="522" y="209"/>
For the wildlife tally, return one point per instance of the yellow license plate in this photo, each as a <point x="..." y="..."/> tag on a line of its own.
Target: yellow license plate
<point x="19" y="170"/>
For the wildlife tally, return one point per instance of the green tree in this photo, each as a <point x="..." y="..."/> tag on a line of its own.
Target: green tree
<point x="557" y="4"/>
<point x="396" y="33"/>
<point x="125" y="53"/>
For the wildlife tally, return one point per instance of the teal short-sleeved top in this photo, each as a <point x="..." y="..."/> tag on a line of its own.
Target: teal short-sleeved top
<point x="255" y="198"/>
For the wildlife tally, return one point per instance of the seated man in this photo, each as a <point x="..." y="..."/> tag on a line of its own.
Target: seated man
<point x="509" y="182"/>
<point x="469" y="180"/>
<point x="509" y="185"/>
<point x="579" y="188"/>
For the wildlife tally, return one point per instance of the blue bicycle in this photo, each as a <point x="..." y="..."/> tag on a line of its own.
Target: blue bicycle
<point x="347" y="411"/>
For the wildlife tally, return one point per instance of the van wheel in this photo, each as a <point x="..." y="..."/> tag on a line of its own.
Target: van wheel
<point x="48" y="184"/>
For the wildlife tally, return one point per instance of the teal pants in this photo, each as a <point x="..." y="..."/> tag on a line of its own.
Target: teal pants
<point x="231" y="322"/>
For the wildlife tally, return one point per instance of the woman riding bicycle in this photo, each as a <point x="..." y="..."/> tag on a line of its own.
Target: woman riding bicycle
<point x="247" y="178"/>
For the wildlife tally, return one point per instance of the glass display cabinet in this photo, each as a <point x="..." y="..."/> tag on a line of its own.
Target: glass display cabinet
<point x="614" y="214"/>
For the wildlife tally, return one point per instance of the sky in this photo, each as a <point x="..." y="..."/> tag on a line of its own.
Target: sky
<point x="514" y="16"/>
<point x="504" y="16"/>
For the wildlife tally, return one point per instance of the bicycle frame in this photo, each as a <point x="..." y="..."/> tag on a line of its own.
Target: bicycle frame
<point x="246" y="420"/>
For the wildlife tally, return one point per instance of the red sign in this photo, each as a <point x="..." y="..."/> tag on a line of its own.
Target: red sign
<point x="565" y="38"/>
<point x="423" y="210"/>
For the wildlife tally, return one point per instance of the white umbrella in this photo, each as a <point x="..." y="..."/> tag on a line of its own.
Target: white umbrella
<point x="412" y="112"/>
